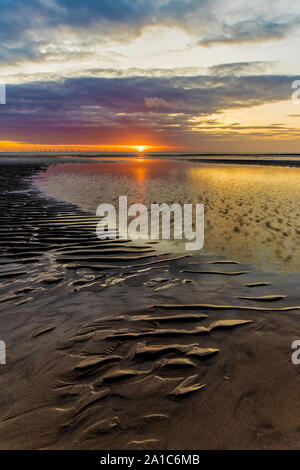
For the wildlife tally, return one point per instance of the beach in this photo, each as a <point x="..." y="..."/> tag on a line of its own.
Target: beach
<point x="118" y="344"/>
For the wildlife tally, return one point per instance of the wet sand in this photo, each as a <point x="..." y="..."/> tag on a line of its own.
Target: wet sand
<point x="112" y="345"/>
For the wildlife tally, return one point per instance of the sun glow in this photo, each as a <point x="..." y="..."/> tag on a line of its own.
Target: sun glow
<point x="11" y="146"/>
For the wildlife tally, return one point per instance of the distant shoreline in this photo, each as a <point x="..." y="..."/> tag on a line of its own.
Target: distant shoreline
<point x="241" y="159"/>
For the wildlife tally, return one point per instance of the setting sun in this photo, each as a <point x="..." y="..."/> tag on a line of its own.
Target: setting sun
<point x="140" y="148"/>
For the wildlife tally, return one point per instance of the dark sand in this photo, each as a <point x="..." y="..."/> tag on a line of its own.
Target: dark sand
<point x="114" y="346"/>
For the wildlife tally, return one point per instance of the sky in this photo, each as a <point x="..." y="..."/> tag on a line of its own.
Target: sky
<point x="163" y="75"/>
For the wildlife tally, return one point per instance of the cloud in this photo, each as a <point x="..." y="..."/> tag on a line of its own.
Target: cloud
<point x="241" y="68"/>
<point x="36" y="29"/>
<point x="107" y="110"/>
<point x="155" y="103"/>
<point x="237" y="69"/>
<point x="256" y="30"/>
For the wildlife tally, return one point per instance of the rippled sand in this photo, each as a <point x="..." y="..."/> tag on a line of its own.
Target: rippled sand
<point x="116" y="345"/>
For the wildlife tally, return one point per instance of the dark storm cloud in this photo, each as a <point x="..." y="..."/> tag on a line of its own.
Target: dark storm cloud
<point x="94" y="109"/>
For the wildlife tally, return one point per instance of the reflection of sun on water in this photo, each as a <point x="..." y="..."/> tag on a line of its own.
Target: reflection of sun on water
<point x="140" y="174"/>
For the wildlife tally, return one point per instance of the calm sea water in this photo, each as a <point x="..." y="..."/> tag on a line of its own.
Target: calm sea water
<point x="251" y="212"/>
